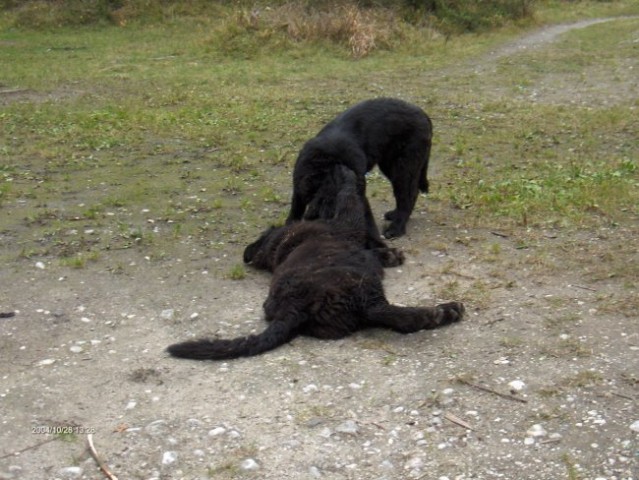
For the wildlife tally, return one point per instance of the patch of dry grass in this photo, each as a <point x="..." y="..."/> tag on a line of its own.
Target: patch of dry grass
<point x="361" y="30"/>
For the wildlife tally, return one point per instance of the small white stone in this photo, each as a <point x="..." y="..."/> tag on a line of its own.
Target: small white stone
<point x="167" y="314"/>
<point x="131" y="405"/>
<point x="311" y="387"/>
<point x="71" y="472"/>
<point x="349" y="426"/>
<point x="169" y="457"/>
<point x="415" y="462"/>
<point x="516" y="386"/>
<point x="529" y="441"/>
<point x="315" y="472"/>
<point x="76" y="349"/>
<point x="249" y="464"/>
<point x="156" y="428"/>
<point x="634" y="426"/>
<point x="536" y="431"/>
<point x="193" y="423"/>
<point x="46" y="361"/>
<point x="41" y="266"/>
<point x="217" y="431"/>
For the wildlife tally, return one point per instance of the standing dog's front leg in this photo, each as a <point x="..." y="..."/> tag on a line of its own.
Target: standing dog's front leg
<point x="298" y="207"/>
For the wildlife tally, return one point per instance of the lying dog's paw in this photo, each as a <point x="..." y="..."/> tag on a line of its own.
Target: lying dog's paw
<point x="390" y="257"/>
<point x="394" y="230"/>
<point x="452" y="312"/>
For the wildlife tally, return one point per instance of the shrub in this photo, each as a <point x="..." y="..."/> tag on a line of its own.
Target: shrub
<point x="460" y="16"/>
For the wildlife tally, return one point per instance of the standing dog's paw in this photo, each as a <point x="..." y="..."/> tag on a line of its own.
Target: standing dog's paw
<point x="390" y="215"/>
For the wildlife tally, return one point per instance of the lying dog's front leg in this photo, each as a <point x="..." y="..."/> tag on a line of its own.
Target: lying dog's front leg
<point x="389" y="257"/>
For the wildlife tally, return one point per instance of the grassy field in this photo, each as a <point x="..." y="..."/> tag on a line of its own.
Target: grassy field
<point x="138" y="136"/>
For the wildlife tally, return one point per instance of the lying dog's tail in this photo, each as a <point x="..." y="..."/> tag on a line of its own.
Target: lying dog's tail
<point x="279" y="332"/>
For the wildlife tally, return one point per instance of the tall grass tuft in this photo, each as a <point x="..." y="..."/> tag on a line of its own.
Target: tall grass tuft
<point x="362" y="30"/>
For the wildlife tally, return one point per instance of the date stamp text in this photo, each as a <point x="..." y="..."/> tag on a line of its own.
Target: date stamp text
<point x="61" y="430"/>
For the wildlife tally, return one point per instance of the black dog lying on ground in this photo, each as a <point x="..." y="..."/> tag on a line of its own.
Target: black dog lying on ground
<point x="387" y="132"/>
<point x="325" y="284"/>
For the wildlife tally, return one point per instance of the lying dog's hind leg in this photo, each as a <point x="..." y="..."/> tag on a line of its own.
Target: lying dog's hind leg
<point x="413" y="319"/>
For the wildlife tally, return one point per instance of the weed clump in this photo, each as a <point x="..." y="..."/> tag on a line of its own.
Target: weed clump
<point x="237" y="272"/>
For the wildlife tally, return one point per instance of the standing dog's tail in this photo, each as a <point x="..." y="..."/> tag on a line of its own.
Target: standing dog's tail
<point x="280" y="331"/>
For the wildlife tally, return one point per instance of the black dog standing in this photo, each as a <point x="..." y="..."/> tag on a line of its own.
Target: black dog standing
<point x="392" y="134"/>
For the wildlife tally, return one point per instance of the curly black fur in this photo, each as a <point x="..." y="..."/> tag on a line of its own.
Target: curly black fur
<point x="325" y="284"/>
<point x="392" y="134"/>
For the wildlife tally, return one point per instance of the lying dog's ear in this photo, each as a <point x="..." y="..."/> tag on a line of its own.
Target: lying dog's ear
<point x="251" y="250"/>
<point x="254" y="248"/>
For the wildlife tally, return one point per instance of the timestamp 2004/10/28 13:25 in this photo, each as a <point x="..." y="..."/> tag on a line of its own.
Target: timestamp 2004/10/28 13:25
<point x="62" y="430"/>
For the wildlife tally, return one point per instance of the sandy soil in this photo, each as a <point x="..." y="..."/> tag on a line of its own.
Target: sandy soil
<point x="539" y="382"/>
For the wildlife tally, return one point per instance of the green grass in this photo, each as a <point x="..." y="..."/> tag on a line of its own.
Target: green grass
<point x="237" y="272"/>
<point x="156" y="139"/>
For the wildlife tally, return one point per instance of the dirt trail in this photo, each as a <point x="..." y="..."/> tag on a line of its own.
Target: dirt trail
<point x="540" y="382"/>
<point x="544" y="36"/>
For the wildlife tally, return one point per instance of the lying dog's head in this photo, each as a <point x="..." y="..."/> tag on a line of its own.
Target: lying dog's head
<point x="337" y="209"/>
<point x="276" y="243"/>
